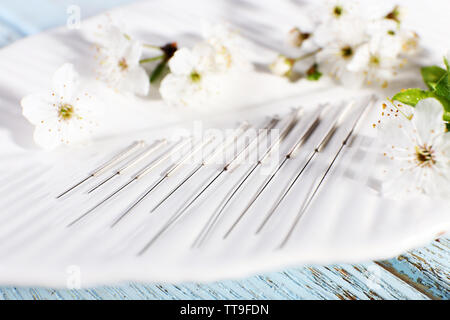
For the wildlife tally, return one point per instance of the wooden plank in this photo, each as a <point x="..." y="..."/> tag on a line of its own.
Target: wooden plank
<point x="362" y="281"/>
<point x="426" y="269"/>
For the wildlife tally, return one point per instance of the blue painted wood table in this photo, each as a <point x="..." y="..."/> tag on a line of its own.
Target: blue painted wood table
<point x="419" y="274"/>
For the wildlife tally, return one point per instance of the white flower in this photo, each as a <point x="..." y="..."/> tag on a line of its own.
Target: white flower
<point x="339" y="41"/>
<point x="228" y="48"/>
<point x="418" y="148"/>
<point x="63" y="115"/>
<point x="376" y="60"/>
<point x="338" y="9"/>
<point x="389" y="31"/>
<point x="407" y="40"/>
<point x="397" y="40"/>
<point x="190" y="81"/>
<point x="119" y="61"/>
<point x="282" y="66"/>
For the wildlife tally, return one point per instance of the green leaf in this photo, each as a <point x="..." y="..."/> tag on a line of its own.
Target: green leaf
<point x="445" y="102"/>
<point x="443" y="87"/>
<point x="446" y="117"/>
<point x="431" y="75"/>
<point x="411" y="96"/>
<point x="158" y="71"/>
<point x="447" y="64"/>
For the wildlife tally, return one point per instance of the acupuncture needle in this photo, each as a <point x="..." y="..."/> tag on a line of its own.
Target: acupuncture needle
<point x="141" y="156"/>
<point x="292" y="122"/>
<point x="319" y="147"/>
<point x="291" y="154"/>
<point x="229" y="166"/>
<point x="178" y="145"/>
<point x="117" y="158"/>
<point x="221" y="148"/>
<point x="317" y="187"/>
<point x="170" y="171"/>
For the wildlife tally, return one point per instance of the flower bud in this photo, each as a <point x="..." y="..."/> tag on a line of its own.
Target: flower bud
<point x="396" y="14"/>
<point x="313" y="73"/>
<point x="282" y="66"/>
<point x="296" y="37"/>
<point x="169" y="50"/>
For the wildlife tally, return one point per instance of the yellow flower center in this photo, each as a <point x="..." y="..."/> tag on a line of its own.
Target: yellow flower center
<point x="337" y="11"/>
<point x="374" y="60"/>
<point x="123" y="65"/>
<point x="195" y="76"/>
<point x="425" y="156"/>
<point x="66" y="111"/>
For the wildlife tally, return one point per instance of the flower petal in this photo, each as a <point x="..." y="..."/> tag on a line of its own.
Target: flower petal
<point x="37" y="108"/>
<point x="428" y="119"/>
<point x="47" y="136"/>
<point x="133" y="53"/>
<point x="204" y="57"/>
<point x="360" y="60"/>
<point x="172" y="89"/>
<point x="136" y="81"/>
<point x="182" y="62"/>
<point x="395" y="129"/>
<point x="75" y="131"/>
<point x="65" y="81"/>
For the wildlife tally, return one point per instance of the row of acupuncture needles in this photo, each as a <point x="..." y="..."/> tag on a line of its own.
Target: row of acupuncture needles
<point x="138" y="153"/>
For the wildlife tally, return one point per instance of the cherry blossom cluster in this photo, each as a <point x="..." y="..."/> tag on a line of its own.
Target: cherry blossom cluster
<point x="66" y="115"/>
<point x="351" y="47"/>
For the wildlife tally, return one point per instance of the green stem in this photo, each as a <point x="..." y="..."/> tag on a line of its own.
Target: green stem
<point x="146" y="45"/>
<point x="158" y="71"/>
<point x="308" y="55"/>
<point x="151" y="59"/>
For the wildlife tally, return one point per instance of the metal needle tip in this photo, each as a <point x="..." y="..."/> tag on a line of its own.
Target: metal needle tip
<point x="222" y="147"/>
<point x="108" y="164"/>
<point x="288" y="127"/>
<point x="303" y="137"/>
<point x="75" y="186"/>
<point x="103" y="182"/>
<point x="170" y="171"/>
<point x="319" y="182"/>
<point x="194" y="196"/>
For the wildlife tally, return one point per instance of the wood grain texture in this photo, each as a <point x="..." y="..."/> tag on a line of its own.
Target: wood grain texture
<point x="346" y="282"/>
<point x="426" y="269"/>
<point x="419" y="274"/>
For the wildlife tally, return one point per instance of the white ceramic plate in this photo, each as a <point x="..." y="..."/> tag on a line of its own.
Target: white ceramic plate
<point x="348" y="222"/>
